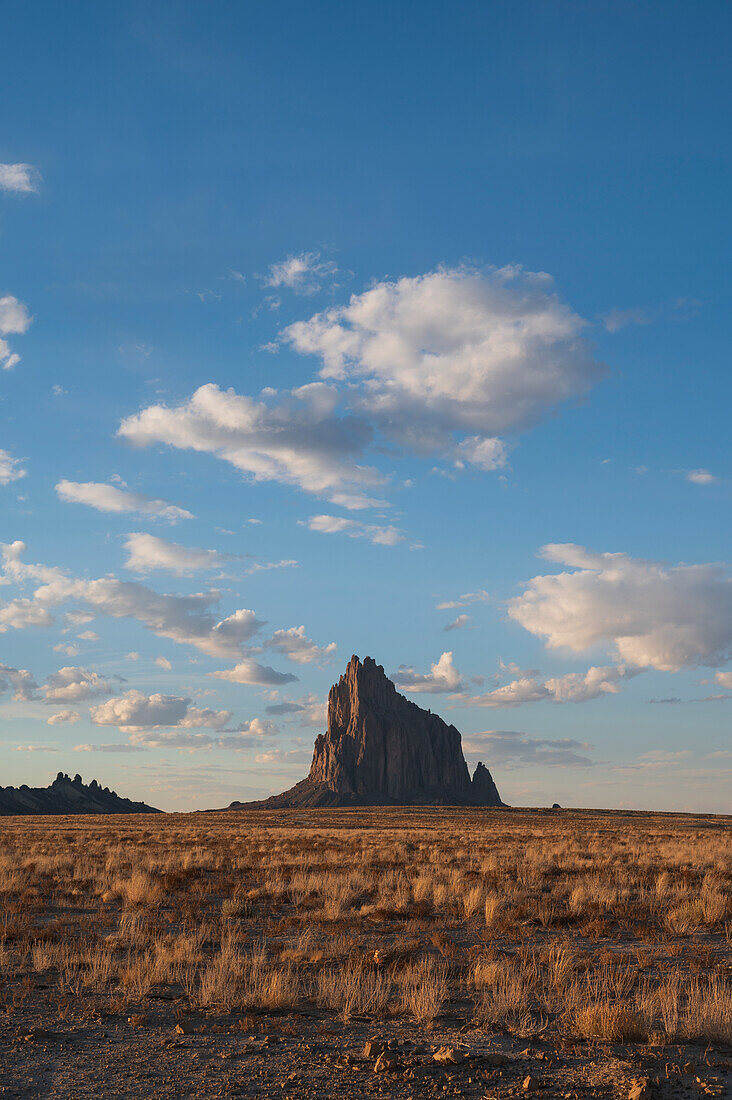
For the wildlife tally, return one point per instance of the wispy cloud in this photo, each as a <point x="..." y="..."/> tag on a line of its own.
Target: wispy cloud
<point x="301" y="272"/>
<point x="296" y="646"/>
<point x="10" y="468"/>
<point x="573" y="687"/>
<point x="680" y="309"/>
<point x="701" y="477"/>
<point x="382" y="535"/>
<point x="14" y="319"/>
<point x="511" y="749"/>
<point x="463" y="601"/>
<point x="147" y="553"/>
<point x="20" y="179"/>
<point x="107" y="498"/>
<point x="457" y="624"/>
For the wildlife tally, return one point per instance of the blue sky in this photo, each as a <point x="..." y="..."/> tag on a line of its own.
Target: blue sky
<point x="421" y="289"/>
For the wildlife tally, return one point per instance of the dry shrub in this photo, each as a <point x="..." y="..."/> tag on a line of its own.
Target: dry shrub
<point x="136" y="976"/>
<point x="367" y="913"/>
<point x="707" y="1015"/>
<point x="353" y="990"/>
<point x="561" y="964"/>
<point x="306" y="949"/>
<point x="423" y="989"/>
<point x="698" y="1010"/>
<point x="505" y="997"/>
<point x="422" y="888"/>
<point x="486" y="971"/>
<point x="265" y="985"/>
<point x="140" y="889"/>
<point x="611" y="1022"/>
<point x="473" y="900"/>
<point x="236" y="907"/>
<point x="494" y="911"/>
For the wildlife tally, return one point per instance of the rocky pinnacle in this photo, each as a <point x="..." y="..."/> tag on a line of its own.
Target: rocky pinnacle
<point x="382" y="749"/>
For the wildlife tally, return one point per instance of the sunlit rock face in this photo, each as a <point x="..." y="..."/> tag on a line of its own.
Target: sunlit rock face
<point x="382" y="749"/>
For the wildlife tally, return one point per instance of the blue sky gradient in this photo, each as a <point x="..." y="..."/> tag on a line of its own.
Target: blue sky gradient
<point x="178" y="153"/>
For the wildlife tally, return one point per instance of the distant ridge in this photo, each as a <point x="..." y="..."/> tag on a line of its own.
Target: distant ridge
<point x="380" y="749"/>
<point x="68" y="796"/>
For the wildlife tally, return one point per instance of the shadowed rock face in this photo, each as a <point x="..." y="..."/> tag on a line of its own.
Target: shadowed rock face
<point x="68" y="796"/>
<point x="382" y="749"/>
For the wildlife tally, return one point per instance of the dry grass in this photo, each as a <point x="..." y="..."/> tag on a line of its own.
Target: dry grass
<point x="612" y="927"/>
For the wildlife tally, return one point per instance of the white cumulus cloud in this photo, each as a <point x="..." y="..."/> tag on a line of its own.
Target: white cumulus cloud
<point x="649" y="614"/>
<point x="63" y="717"/>
<point x="455" y="351"/>
<point x="298" y="439"/>
<point x="442" y="677"/>
<point x="249" y="671"/>
<point x="148" y="552"/>
<point x="296" y="646"/>
<point x="184" y="619"/>
<point x="573" y="687"/>
<point x="137" y="711"/>
<point x="701" y="477"/>
<point x="72" y="684"/>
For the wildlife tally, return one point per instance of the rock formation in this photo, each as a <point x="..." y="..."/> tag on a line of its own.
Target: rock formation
<point x="68" y="796"/>
<point x="381" y="749"/>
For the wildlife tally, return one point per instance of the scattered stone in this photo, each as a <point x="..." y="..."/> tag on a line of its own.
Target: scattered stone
<point x="386" y="1062"/>
<point x="448" y="1056"/>
<point x="531" y="1084"/>
<point x="183" y="1027"/>
<point x="137" y="1020"/>
<point x="640" y="1089"/>
<point x="495" y="1058"/>
<point x="37" y="1035"/>
<point x="373" y="1048"/>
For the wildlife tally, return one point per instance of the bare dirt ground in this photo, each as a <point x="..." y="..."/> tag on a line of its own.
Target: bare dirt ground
<point x="348" y="953"/>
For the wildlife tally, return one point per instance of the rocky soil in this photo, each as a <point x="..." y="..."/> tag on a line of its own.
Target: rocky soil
<point x="167" y="1053"/>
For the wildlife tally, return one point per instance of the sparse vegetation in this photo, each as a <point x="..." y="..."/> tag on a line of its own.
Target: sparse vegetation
<point x="602" y="927"/>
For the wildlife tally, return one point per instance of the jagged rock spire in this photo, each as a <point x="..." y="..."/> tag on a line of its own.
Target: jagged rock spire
<point x="382" y="749"/>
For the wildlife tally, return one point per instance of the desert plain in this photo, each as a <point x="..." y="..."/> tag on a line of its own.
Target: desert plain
<point x="346" y="953"/>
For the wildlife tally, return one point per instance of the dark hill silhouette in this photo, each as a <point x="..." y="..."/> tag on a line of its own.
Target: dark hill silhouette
<point x="68" y="796"/>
